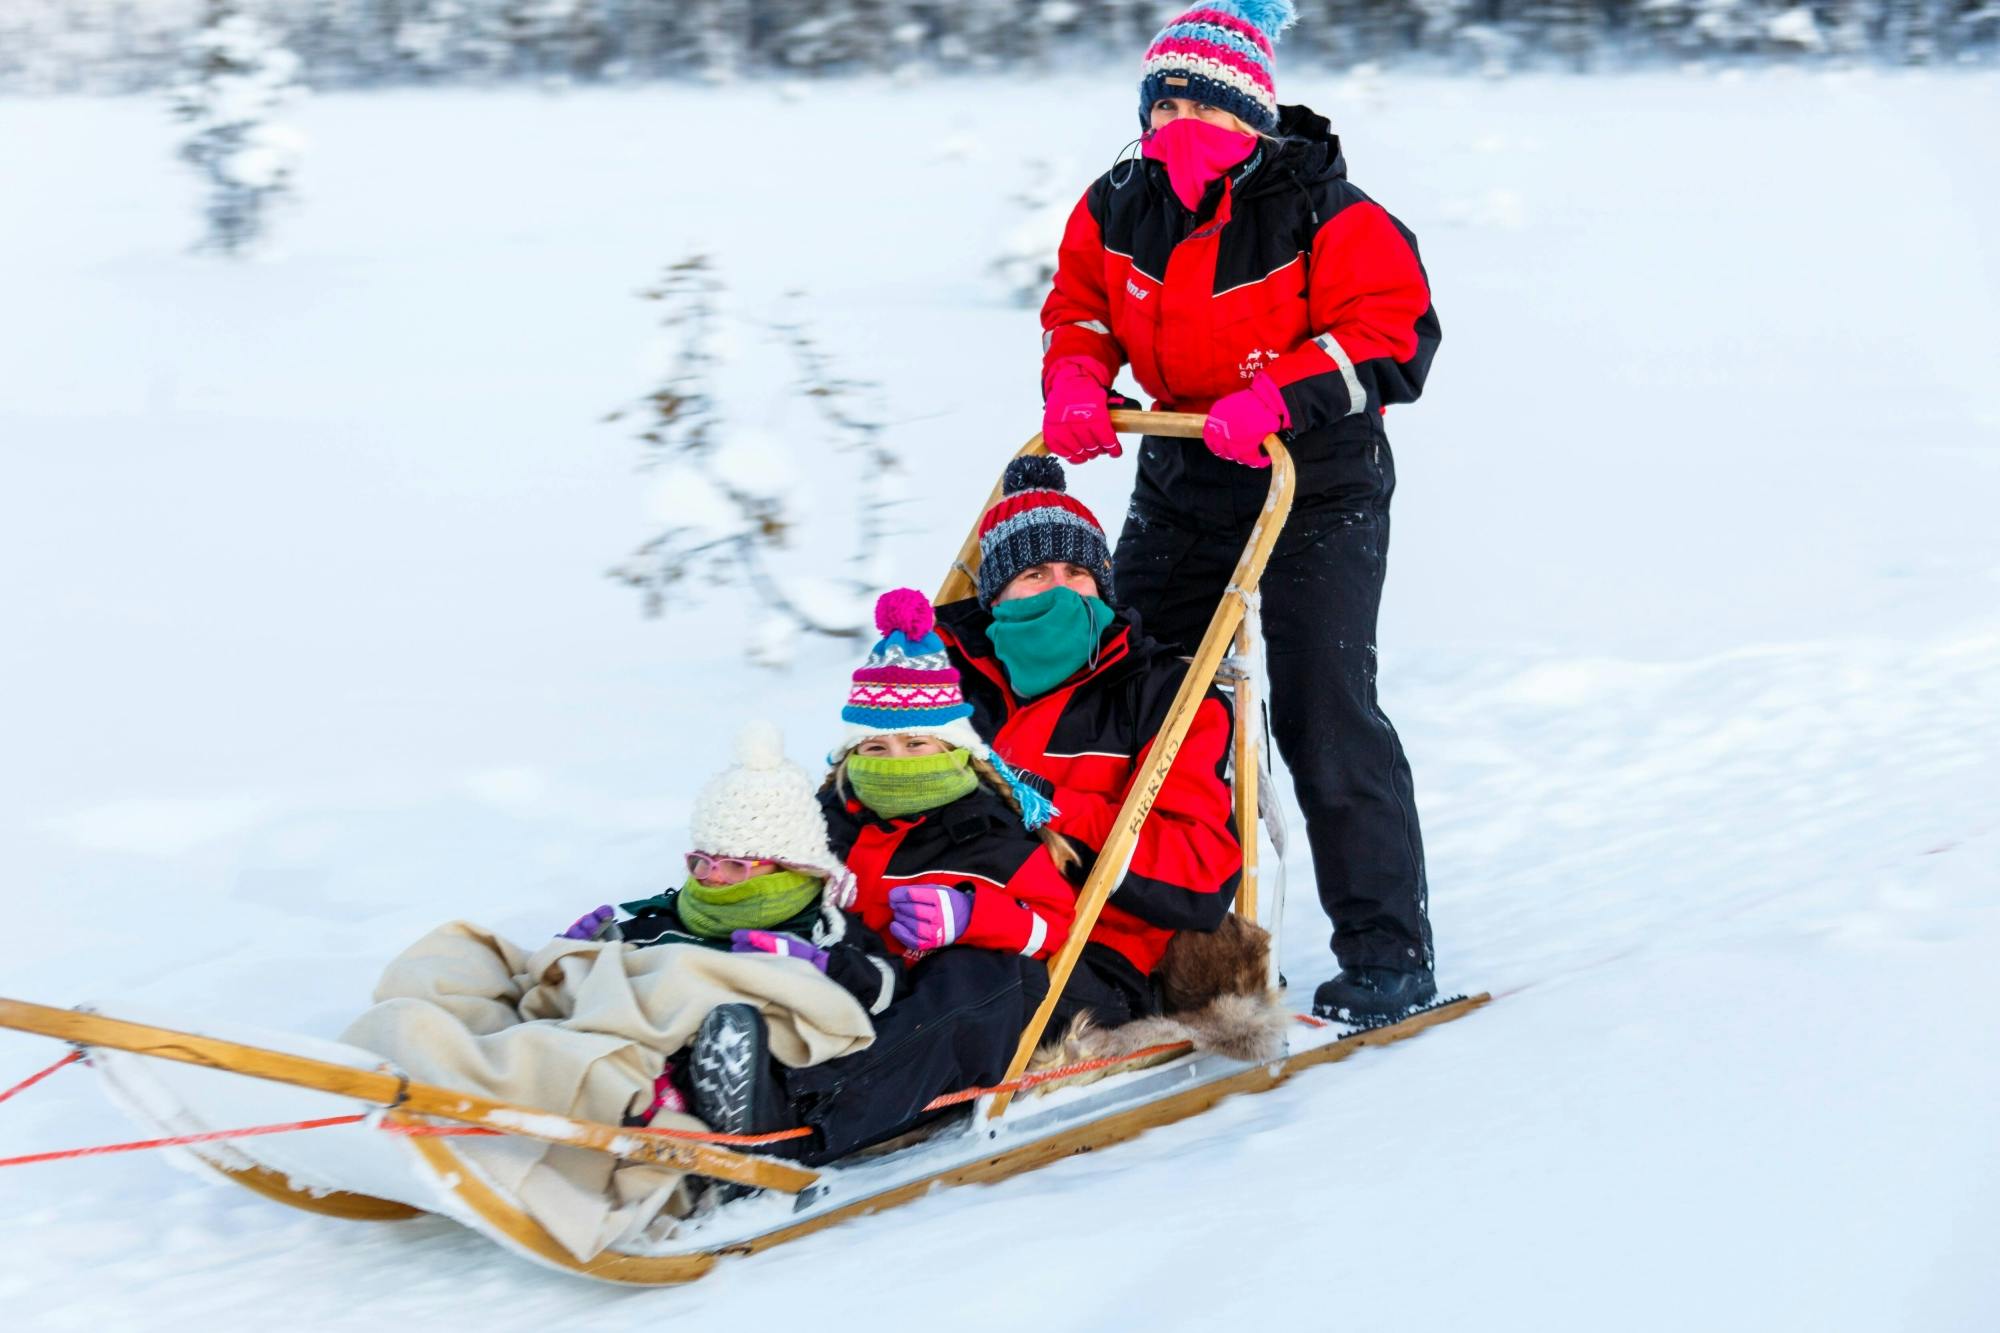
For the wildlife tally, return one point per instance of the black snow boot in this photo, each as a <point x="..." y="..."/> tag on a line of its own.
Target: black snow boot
<point x="1369" y="995"/>
<point x="736" y="1088"/>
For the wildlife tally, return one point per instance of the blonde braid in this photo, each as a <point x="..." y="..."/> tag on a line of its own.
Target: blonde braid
<point x="1060" y="850"/>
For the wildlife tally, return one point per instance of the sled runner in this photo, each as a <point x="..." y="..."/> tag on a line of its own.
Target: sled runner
<point x="372" y="1145"/>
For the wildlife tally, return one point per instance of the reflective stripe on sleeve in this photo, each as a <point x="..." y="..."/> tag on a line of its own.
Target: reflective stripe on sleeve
<point x="1093" y="325"/>
<point x="1038" y="932"/>
<point x="1357" y="400"/>
<point x="888" y="985"/>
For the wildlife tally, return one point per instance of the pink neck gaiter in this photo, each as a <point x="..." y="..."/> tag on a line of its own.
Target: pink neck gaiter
<point x="1194" y="153"/>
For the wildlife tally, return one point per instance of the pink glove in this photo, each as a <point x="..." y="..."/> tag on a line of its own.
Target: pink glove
<point x="1238" y="422"/>
<point x="1076" y="420"/>
<point x="770" y="941"/>
<point x="928" y="916"/>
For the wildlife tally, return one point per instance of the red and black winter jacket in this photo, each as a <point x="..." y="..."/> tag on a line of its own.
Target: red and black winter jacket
<point x="1285" y="267"/>
<point x="1087" y="738"/>
<point x="1020" y="902"/>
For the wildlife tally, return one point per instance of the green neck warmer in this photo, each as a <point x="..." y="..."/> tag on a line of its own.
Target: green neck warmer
<point x="1045" y="639"/>
<point x="757" y="903"/>
<point x="893" y="788"/>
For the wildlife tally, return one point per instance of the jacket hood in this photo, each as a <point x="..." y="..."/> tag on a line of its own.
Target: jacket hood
<point x="1307" y="151"/>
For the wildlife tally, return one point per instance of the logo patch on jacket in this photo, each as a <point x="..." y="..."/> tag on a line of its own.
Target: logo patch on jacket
<point x="1138" y="293"/>
<point x="1256" y="361"/>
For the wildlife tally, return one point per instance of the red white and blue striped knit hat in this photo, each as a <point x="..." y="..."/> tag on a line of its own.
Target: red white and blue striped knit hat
<point x="908" y="685"/>
<point x="1035" y="522"/>
<point x="1219" y="53"/>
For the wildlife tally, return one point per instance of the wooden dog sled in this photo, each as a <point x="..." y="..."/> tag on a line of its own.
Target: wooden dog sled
<point x="375" y="1152"/>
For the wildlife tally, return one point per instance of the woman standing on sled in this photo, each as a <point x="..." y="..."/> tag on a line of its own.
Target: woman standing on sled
<point x="1239" y="274"/>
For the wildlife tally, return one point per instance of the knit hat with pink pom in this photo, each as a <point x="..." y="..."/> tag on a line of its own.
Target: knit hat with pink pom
<point x="1219" y="53"/>
<point x="908" y="685"/>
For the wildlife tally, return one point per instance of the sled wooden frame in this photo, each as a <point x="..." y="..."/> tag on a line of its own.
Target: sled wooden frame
<point x="1230" y="625"/>
<point x="386" y="1088"/>
<point x="986" y="1149"/>
<point x="981" y="1153"/>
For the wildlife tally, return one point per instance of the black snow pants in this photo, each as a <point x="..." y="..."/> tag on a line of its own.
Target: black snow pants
<point x="956" y="1028"/>
<point x="1191" y="514"/>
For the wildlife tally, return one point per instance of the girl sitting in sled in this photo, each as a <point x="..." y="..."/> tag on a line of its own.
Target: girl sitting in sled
<point x="954" y="866"/>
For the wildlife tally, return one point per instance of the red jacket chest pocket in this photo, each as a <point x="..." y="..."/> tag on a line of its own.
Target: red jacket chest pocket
<point x="1255" y="323"/>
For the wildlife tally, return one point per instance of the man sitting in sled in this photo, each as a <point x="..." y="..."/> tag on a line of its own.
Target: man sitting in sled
<point x="1068" y="688"/>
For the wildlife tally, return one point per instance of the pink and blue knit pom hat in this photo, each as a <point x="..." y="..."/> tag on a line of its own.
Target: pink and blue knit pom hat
<point x="1219" y="53"/>
<point x="908" y="685"/>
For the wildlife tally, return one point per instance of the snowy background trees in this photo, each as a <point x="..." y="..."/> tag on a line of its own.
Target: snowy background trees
<point x="727" y="491"/>
<point x="121" y="44"/>
<point x="235" y="79"/>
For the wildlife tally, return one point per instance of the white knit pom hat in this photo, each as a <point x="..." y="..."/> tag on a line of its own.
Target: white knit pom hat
<point x="763" y="807"/>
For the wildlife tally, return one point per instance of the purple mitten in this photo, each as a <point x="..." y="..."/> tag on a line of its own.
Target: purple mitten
<point x="770" y="941"/>
<point x="928" y="916"/>
<point x="597" y="925"/>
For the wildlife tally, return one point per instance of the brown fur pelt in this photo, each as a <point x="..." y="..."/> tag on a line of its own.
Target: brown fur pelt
<point x="1216" y="988"/>
<point x="1232" y="959"/>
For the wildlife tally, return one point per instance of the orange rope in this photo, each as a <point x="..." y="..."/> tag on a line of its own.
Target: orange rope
<point x="1051" y="1075"/>
<point x="32" y="1079"/>
<point x="471" y="1131"/>
<point x="211" y="1136"/>
<point x="779" y="1136"/>
<point x="698" y="1136"/>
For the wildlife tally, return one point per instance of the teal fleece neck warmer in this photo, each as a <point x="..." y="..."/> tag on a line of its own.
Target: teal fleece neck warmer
<point x="1044" y="640"/>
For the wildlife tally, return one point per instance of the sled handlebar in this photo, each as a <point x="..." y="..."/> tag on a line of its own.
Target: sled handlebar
<point x="1186" y="425"/>
<point x="1181" y="425"/>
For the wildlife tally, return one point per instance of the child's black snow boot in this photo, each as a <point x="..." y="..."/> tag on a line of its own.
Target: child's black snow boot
<point x="735" y="1087"/>
<point x="1363" y="996"/>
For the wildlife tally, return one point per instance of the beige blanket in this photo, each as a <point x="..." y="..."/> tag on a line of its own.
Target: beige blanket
<point x="581" y="1028"/>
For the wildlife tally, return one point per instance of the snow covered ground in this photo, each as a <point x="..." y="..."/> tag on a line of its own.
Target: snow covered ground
<point x="1693" y="632"/>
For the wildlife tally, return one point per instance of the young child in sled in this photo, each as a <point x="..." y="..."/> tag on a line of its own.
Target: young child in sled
<point x="953" y="865"/>
<point x="584" y="1027"/>
<point x="761" y="878"/>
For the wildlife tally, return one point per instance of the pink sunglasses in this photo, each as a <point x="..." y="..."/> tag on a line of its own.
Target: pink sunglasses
<point x="729" y="869"/>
